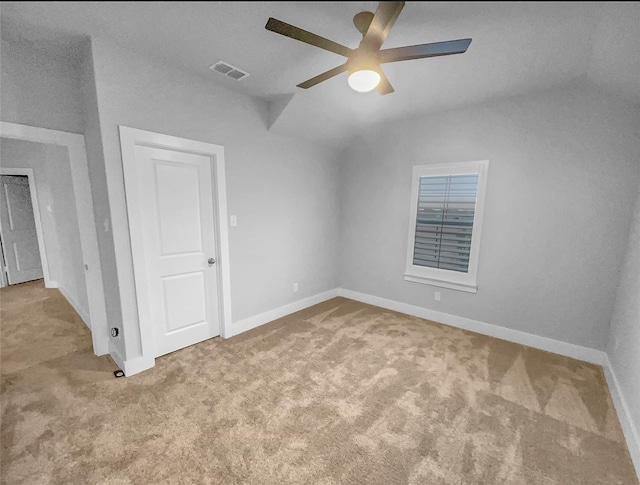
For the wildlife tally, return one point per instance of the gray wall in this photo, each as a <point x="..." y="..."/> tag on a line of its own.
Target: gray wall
<point x="39" y="87"/>
<point x="57" y="204"/>
<point x="283" y="191"/>
<point x="563" y="174"/>
<point x="624" y="338"/>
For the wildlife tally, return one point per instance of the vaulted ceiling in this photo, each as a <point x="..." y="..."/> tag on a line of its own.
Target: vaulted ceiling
<point x="517" y="47"/>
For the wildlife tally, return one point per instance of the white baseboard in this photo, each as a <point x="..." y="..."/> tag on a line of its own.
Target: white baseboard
<point x="543" y="343"/>
<point x="268" y="316"/>
<point x="132" y="366"/>
<point x="72" y="301"/>
<point x="629" y="428"/>
<point x="51" y="284"/>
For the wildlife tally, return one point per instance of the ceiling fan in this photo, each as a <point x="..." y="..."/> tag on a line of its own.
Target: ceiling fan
<point x="363" y="63"/>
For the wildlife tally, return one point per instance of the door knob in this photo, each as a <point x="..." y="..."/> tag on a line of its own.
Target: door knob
<point x="211" y="261"/>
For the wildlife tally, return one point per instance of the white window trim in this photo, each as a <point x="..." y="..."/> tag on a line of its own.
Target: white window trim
<point x="441" y="277"/>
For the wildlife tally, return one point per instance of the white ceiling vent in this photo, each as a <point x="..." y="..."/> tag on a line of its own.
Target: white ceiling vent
<point x="229" y="70"/>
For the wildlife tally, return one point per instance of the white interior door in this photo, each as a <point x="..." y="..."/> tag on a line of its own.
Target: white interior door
<point x="19" y="236"/>
<point x="175" y="191"/>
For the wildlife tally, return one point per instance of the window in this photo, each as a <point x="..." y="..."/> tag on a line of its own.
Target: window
<point x="444" y="224"/>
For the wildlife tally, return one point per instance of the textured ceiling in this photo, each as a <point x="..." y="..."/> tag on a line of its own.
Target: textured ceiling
<point x="517" y="47"/>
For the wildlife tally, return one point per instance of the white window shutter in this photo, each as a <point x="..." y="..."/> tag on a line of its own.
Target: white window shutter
<point x="444" y="221"/>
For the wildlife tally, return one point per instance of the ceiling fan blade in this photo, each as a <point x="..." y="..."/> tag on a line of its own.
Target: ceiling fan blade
<point x="384" y="86"/>
<point x="421" y="51"/>
<point x="323" y="77"/>
<point x="383" y="20"/>
<point x="296" y="33"/>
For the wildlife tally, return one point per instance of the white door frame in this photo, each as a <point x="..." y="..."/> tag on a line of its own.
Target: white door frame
<point x="75" y="145"/>
<point x="36" y="217"/>
<point x="129" y="138"/>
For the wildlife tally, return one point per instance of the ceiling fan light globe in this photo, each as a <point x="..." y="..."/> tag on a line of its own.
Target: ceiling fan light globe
<point x="364" y="80"/>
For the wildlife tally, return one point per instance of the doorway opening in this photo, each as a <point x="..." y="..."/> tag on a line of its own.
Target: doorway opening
<point x="70" y="259"/>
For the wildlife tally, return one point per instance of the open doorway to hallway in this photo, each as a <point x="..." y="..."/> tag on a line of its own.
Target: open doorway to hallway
<point x="38" y="220"/>
<point x="43" y="302"/>
<point x="69" y="255"/>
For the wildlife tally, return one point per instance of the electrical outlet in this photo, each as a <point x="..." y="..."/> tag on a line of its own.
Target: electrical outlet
<point x="295" y="287"/>
<point x="436" y="296"/>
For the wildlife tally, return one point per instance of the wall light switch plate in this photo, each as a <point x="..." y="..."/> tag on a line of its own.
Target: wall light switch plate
<point x="233" y="220"/>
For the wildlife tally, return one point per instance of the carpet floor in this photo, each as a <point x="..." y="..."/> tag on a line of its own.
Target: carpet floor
<point x="339" y="393"/>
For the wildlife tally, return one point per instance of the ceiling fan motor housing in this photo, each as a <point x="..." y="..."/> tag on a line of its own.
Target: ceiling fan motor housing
<point x="363" y="59"/>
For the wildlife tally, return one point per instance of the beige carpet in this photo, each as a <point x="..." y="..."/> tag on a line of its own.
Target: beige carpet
<point x="340" y="393"/>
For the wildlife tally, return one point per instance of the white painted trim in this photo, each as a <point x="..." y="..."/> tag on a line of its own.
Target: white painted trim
<point x="271" y="315"/>
<point x="629" y="428"/>
<point x="129" y="138"/>
<point x="222" y="230"/>
<point x="132" y="366"/>
<point x="75" y="305"/>
<point x="3" y="276"/>
<point x="440" y="283"/>
<point x="543" y="343"/>
<point x="28" y="172"/>
<point x="76" y="149"/>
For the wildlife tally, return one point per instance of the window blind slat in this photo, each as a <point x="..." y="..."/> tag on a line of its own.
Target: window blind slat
<point x="450" y="241"/>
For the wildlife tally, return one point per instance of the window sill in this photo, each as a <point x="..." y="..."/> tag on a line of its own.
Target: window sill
<point x="441" y="283"/>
